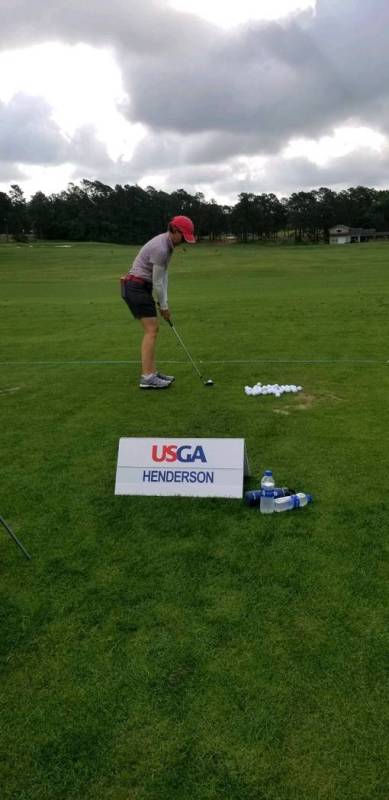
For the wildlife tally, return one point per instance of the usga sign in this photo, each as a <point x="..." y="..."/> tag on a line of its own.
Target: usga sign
<point x="186" y="453"/>
<point x="192" y="467"/>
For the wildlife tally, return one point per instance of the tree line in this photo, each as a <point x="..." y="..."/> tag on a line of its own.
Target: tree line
<point x="93" y="211"/>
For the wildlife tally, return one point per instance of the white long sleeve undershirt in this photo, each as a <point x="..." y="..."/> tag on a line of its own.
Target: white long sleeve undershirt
<point x="160" y="283"/>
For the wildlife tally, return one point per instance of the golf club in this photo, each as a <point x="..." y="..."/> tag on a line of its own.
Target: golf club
<point x="209" y="382"/>
<point x="15" y="538"/>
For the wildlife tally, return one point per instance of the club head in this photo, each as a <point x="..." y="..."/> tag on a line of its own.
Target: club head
<point x="208" y="383"/>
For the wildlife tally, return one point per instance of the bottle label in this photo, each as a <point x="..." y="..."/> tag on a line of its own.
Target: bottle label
<point x="281" y="491"/>
<point x="296" y="501"/>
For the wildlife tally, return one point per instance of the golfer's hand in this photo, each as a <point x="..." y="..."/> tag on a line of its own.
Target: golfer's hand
<point x="165" y="313"/>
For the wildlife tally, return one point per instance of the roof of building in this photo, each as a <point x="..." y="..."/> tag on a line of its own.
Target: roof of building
<point x="346" y="230"/>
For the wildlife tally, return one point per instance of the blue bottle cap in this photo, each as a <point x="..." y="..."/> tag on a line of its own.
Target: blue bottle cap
<point x="309" y="498"/>
<point x="268" y="472"/>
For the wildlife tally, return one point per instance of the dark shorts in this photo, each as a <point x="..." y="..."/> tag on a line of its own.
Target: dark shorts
<point x="139" y="298"/>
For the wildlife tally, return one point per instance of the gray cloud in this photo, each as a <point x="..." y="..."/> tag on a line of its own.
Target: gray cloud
<point x="241" y="84"/>
<point x="272" y="80"/>
<point x="11" y="173"/>
<point x="85" y="149"/>
<point x="28" y="135"/>
<point x="280" y="175"/>
<point x="110" y="173"/>
<point x="361" y="167"/>
<point x="285" y="176"/>
<point x="165" y="150"/>
<point x="207" y="95"/>
<point x="144" y="27"/>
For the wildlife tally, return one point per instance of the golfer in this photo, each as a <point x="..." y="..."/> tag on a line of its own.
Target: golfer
<point x="147" y="277"/>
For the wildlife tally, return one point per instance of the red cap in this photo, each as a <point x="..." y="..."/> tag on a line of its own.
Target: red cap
<point x="185" y="226"/>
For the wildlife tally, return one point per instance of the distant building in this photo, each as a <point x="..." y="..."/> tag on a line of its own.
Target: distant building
<point x="343" y="234"/>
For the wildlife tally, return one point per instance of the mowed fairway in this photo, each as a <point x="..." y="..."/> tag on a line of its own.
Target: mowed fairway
<point x="185" y="649"/>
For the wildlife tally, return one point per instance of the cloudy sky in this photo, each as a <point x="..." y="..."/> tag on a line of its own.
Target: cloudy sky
<point x="271" y="95"/>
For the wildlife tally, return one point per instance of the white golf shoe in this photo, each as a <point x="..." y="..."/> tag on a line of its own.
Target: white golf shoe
<point x="169" y="378"/>
<point x="153" y="382"/>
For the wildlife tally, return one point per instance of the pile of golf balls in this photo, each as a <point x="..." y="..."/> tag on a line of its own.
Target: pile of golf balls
<point x="272" y="388"/>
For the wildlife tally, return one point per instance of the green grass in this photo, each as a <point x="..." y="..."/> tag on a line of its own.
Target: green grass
<point x="165" y="649"/>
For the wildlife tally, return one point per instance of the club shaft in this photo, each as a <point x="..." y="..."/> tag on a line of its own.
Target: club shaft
<point x="185" y="348"/>
<point x="15" y="538"/>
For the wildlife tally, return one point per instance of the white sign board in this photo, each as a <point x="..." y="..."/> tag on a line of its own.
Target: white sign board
<point x="187" y="467"/>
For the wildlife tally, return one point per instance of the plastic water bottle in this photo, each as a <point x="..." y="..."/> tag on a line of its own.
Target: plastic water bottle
<point x="294" y="501"/>
<point x="253" y="498"/>
<point x="267" y="489"/>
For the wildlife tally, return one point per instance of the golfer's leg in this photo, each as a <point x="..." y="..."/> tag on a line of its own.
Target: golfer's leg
<point x="150" y="326"/>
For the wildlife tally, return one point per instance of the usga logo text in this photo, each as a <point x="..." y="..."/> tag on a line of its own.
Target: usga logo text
<point x="187" y="453"/>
